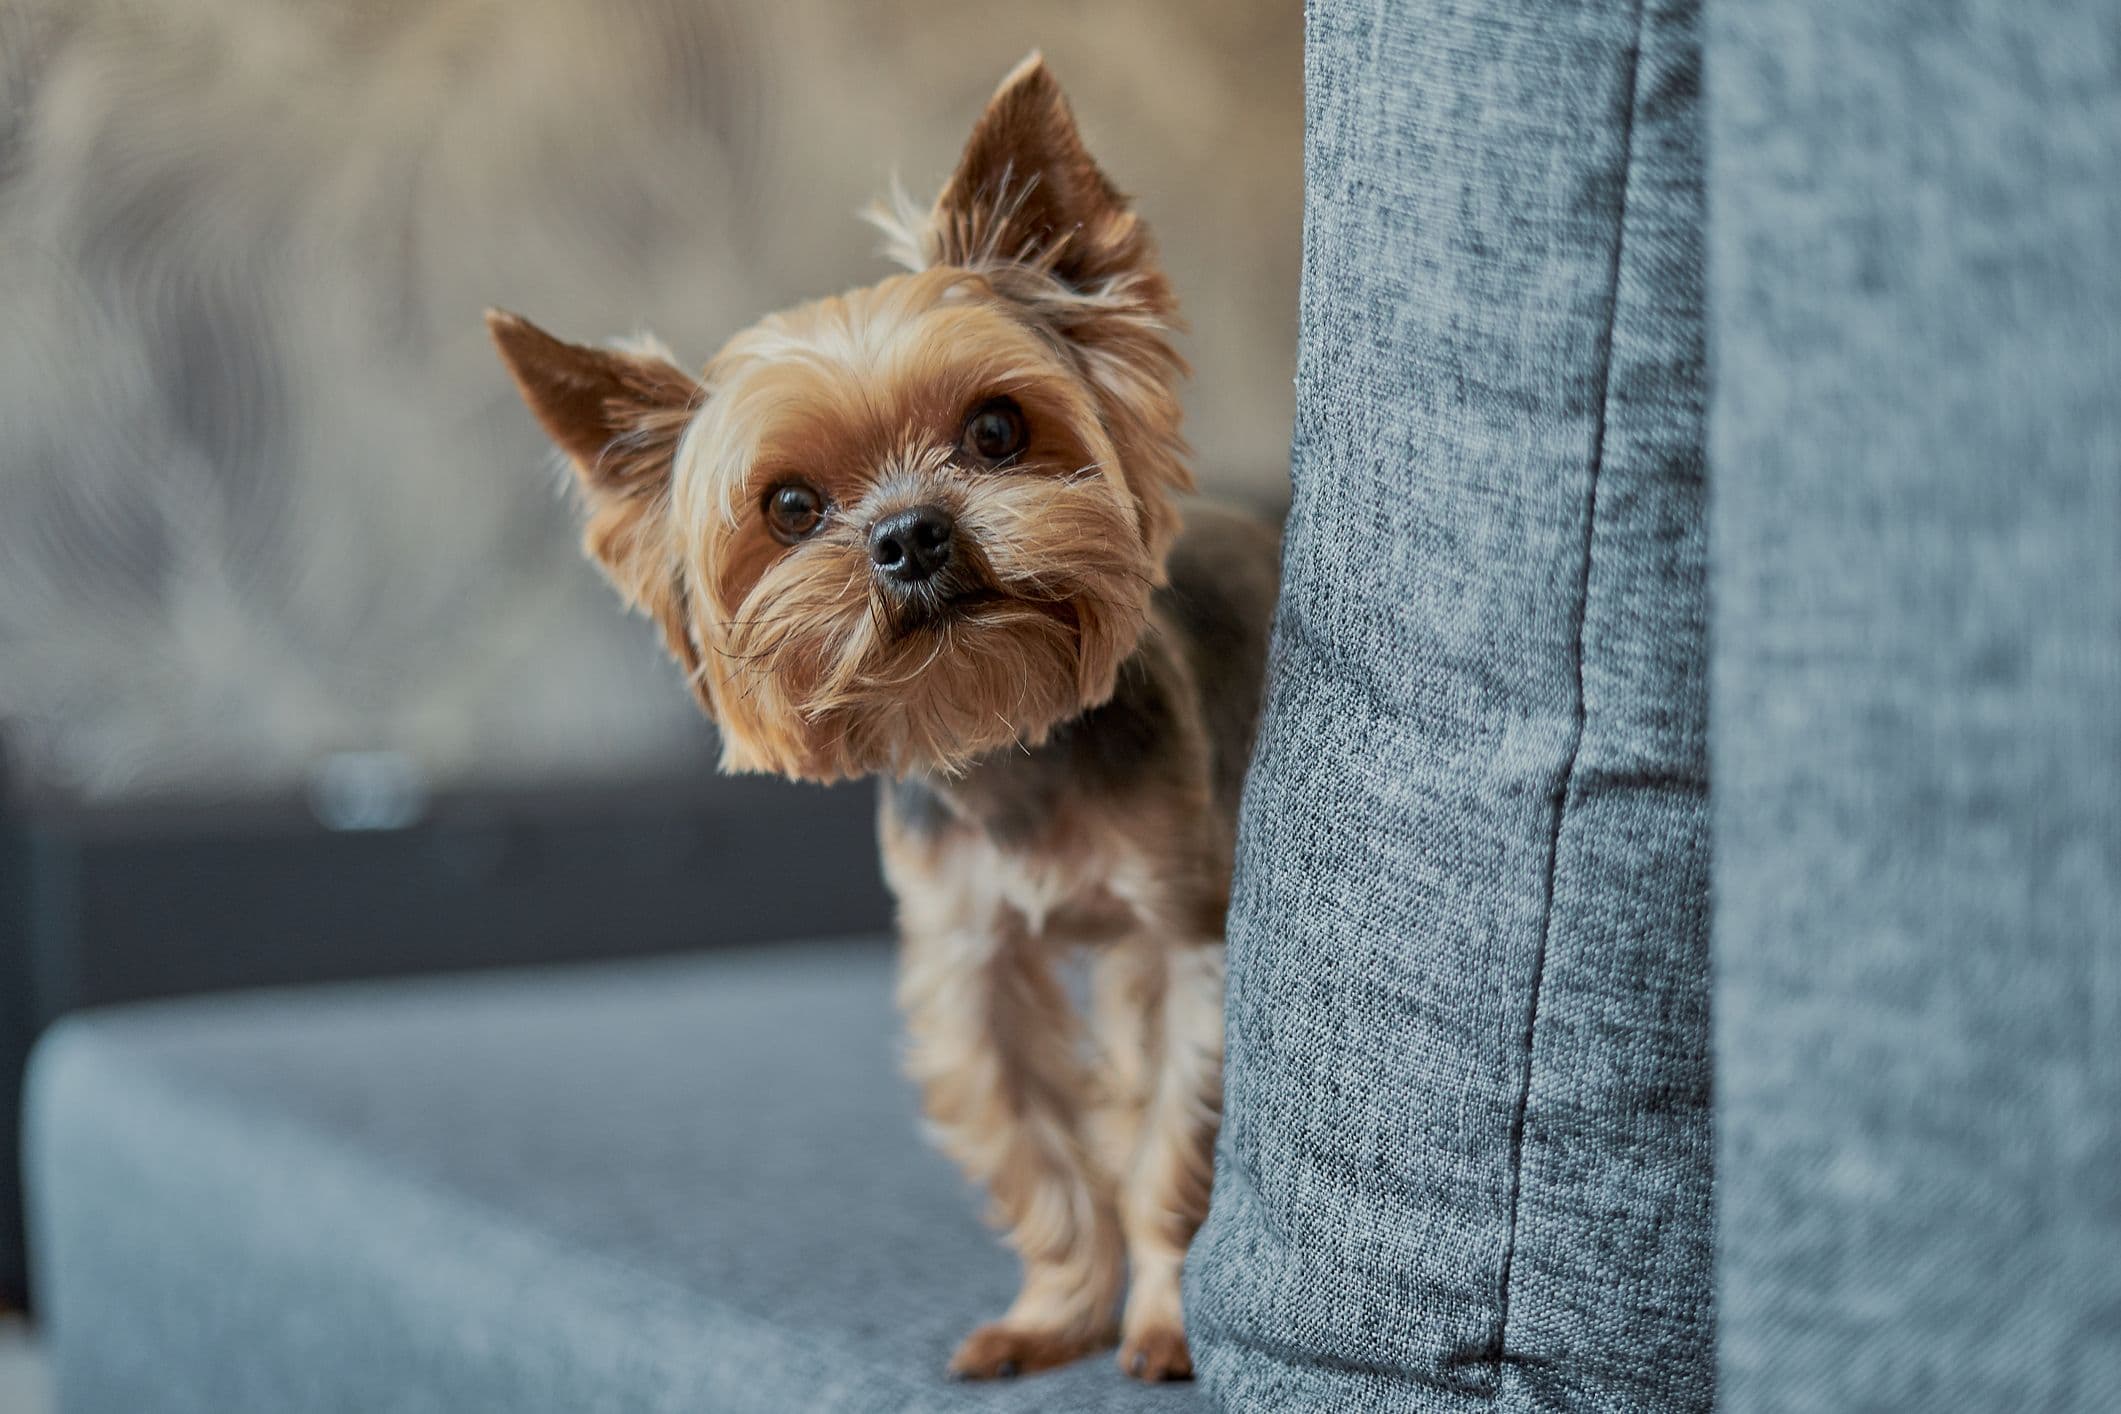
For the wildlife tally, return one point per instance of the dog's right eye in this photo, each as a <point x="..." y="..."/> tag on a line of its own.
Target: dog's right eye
<point x="995" y="431"/>
<point x="794" y="511"/>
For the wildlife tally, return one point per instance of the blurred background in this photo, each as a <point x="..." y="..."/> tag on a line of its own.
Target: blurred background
<point x="301" y="674"/>
<point x="268" y="494"/>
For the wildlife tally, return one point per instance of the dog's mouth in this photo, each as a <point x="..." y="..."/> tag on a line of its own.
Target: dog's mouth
<point x="954" y="595"/>
<point x="935" y="604"/>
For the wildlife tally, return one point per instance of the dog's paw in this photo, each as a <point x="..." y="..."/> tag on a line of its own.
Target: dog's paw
<point x="998" y="1350"/>
<point x="1157" y="1353"/>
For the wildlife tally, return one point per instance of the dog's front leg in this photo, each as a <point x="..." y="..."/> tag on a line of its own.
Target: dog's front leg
<point x="1164" y="1188"/>
<point x="994" y="1048"/>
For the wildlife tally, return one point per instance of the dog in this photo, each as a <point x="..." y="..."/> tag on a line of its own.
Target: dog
<point x="927" y="531"/>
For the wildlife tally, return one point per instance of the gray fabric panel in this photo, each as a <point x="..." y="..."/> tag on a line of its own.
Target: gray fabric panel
<point x="669" y="1186"/>
<point x="1466" y="1158"/>
<point x="1916" y="212"/>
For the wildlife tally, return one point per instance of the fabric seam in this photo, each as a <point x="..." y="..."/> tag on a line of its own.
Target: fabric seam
<point x="1499" y="1345"/>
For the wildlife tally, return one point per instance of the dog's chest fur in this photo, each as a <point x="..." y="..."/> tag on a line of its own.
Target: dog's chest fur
<point x="1123" y="819"/>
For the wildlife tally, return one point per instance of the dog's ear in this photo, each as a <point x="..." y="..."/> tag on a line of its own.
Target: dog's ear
<point x="1027" y="200"/>
<point x="1026" y="191"/>
<point x="618" y="414"/>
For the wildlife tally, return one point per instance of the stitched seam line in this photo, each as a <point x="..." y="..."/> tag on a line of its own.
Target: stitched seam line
<point x="1500" y="1343"/>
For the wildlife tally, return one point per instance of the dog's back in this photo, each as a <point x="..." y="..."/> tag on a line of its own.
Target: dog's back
<point x="1225" y="569"/>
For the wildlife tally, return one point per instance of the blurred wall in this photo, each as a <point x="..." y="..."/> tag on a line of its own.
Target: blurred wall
<point x="264" y="493"/>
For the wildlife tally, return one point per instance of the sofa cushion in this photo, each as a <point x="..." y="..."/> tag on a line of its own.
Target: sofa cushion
<point x="1466" y="1159"/>
<point x="1918" y="704"/>
<point x="678" y="1185"/>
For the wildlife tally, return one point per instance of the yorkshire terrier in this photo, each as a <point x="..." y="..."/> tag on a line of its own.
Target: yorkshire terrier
<point x="926" y="531"/>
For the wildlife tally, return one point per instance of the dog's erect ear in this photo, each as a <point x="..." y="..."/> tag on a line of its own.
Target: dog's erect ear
<point x="618" y="415"/>
<point x="1026" y="191"/>
<point x="1028" y="207"/>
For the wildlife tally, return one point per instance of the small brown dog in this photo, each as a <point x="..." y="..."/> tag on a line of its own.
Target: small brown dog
<point x="925" y="531"/>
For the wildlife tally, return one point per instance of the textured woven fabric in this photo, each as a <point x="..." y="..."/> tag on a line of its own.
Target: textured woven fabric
<point x="676" y="1186"/>
<point x="1916" y="210"/>
<point x="1466" y="1159"/>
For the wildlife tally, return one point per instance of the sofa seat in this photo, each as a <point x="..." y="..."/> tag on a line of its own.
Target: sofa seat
<point x="684" y="1185"/>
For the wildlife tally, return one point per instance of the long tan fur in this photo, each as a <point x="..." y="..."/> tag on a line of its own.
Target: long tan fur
<point x="1032" y="279"/>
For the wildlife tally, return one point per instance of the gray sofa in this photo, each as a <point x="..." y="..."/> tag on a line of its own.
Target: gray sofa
<point x="1676" y="958"/>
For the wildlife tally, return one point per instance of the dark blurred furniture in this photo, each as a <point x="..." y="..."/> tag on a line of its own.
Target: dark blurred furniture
<point x="99" y="906"/>
<point x="17" y="1030"/>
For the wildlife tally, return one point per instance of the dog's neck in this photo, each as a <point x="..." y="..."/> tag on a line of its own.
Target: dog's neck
<point x="1014" y="794"/>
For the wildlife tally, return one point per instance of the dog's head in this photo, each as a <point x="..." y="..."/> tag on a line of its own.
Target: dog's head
<point x="903" y="527"/>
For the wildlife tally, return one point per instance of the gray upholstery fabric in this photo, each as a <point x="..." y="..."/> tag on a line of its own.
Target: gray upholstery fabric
<point x="675" y="1186"/>
<point x="1466" y="1159"/>
<point x="1917" y="438"/>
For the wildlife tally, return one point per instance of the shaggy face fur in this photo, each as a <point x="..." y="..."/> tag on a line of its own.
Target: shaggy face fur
<point x="1033" y="282"/>
<point x="1062" y="696"/>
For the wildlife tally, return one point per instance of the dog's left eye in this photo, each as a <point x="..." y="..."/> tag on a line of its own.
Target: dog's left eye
<point x="995" y="430"/>
<point x="794" y="511"/>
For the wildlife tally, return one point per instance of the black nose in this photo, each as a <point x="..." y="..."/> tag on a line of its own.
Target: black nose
<point x="912" y="545"/>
